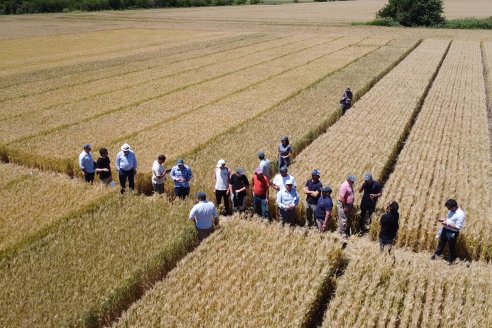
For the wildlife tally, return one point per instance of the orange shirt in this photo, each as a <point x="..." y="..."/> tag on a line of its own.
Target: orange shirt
<point x="260" y="186"/>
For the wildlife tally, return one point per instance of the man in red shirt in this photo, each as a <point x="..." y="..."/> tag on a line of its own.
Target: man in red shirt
<point x="345" y="204"/>
<point x="260" y="185"/>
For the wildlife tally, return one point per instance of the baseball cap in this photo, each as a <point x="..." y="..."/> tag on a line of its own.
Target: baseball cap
<point x="220" y="162"/>
<point x="284" y="138"/>
<point x="125" y="147"/>
<point x="284" y="169"/>
<point x="240" y="170"/>
<point x="289" y="182"/>
<point x="261" y="154"/>
<point x="179" y="162"/>
<point x="86" y="146"/>
<point x="315" y="172"/>
<point x="326" y="189"/>
<point x="367" y="176"/>
<point x="351" y="178"/>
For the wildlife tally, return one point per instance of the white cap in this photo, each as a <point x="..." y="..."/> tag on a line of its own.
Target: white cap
<point x="289" y="182"/>
<point x="220" y="162"/>
<point x="125" y="147"/>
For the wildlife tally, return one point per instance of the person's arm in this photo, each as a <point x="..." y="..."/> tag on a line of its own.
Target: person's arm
<point x="192" y="215"/>
<point x="252" y="185"/>
<point x="378" y="192"/>
<point x="173" y="175"/>
<point x="135" y="163"/>
<point x="214" y="178"/>
<point x="274" y="184"/>
<point x="326" y="220"/>
<point x="279" y="201"/>
<point x="361" y="188"/>
<point x="267" y="193"/>
<point x="289" y="154"/>
<point x="296" y="200"/>
<point x="306" y="190"/>
<point x="81" y="163"/>
<point x="117" y="162"/>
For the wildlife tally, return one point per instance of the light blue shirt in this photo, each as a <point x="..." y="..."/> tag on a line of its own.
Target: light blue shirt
<point x="457" y="218"/>
<point x="265" y="167"/>
<point x="86" y="162"/>
<point x="126" y="162"/>
<point x="203" y="213"/>
<point x="286" y="198"/>
<point x="182" y="177"/>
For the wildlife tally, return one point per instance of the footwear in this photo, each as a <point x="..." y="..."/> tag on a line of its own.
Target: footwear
<point x="433" y="257"/>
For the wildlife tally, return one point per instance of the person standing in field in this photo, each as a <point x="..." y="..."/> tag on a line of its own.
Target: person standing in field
<point x="451" y="226"/>
<point x="284" y="150"/>
<point x="372" y="191"/>
<point x="287" y="202"/>
<point x="346" y="100"/>
<point x="181" y="175"/>
<point x="86" y="163"/>
<point x="312" y="189"/>
<point x="158" y="175"/>
<point x="126" y="165"/>
<point x="264" y="164"/>
<point x="221" y="178"/>
<point x="260" y="186"/>
<point x="389" y="226"/>
<point x="345" y="204"/>
<point x="281" y="178"/>
<point x="239" y="186"/>
<point x="204" y="214"/>
<point x="324" y="208"/>
<point x="103" y="167"/>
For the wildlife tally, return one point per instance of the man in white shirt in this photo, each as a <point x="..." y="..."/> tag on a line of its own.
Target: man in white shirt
<point x="451" y="227"/>
<point x="204" y="214"/>
<point x="279" y="181"/>
<point x="158" y="175"/>
<point x="221" y="177"/>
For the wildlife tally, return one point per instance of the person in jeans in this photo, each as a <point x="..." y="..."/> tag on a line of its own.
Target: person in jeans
<point x="451" y="226"/>
<point x="239" y="186"/>
<point x="345" y="204"/>
<point x="126" y="165"/>
<point x="324" y="208"/>
<point x="264" y="164"/>
<point x="204" y="214"/>
<point x="287" y="202"/>
<point x="260" y="187"/>
<point x="221" y="178"/>
<point x="158" y="175"/>
<point x="103" y="167"/>
<point x="312" y="189"/>
<point x="284" y="150"/>
<point x="389" y="226"/>
<point x="181" y="175"/>
<point x="372" y="190"/>
<point x="86" y="163"/>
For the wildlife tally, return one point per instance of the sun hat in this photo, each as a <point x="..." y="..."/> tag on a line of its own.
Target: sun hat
<point x="125" y="147"/>
<point x="220" y="162"/>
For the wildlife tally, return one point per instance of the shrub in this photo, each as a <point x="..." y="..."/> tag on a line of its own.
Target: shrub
<point x="414" y="12"/>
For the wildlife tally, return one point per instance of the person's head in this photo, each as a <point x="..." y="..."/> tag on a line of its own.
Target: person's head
<point x="239" y="171"/>
<point x="103" y="152"/>
<point x="368" y="178"/>
<point x="315" y="175"/>
<point x="125" y="148"/>
<point x="392" y="208"/>
<point x="451" y="205"/>
<point x="180" y="163"/>
<point x="351" y="179"/>
<point x="261" y="155"/>
<point x="283" y="171"/>
<point x="326" y="191"/>
<point x="348" y="89"/>
<point x="284" y="140"/>
<point x="288" y="184"/>
<point x="221" y="163"/>
<point x="161" y="159"/>
<point x="258" y="172"/>
<point x="201" y="196"/>
<point x="87" y="148"/>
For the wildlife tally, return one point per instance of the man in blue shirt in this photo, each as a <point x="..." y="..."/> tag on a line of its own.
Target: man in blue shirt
<point x="126" y="165"/>
<point x="313" y="191"/>
<point x="204" y="214"/>
<point x="181" y="175"/>
<point x="323" y="209"/>
<point x="86" y="163"/>
<point x="287" y="201"/>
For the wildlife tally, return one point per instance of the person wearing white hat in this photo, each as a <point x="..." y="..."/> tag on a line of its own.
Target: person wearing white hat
<point x="287" y="202"/>
<point x="221" y="178"/>
<point x="86" y="163"/>
<point x="126" y="165"/>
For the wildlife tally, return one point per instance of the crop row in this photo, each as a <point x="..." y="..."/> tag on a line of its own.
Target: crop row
<point x="405" y="289"/>
<point x="447" y="155"/>
<point x="92" y="267"/>
<point x="245" y="274"/>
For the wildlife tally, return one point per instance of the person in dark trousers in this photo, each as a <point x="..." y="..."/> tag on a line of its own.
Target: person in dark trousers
<point x="284" y="155"/>
<point x="86" y="163"/>
<point x="221" y="178"/>
<point x="264" y="164"/>
<point x="287" y="202"/>
<point x="324" y="208"/>
<point x="103" y="167"/>
<point x="372" y="191"/>
<point x="204" y="214"/>
<point x="239" y="186"/>
<point x="312" y="189"/>
<point x="451" y="226"/>
<point x="389" y="226"/>
<point x="126" y="165"/>
<point x="181" y="175"/>
<point x="159" y="175"/>
<point x="346" y="100"/>
<point x="260" y="186"/>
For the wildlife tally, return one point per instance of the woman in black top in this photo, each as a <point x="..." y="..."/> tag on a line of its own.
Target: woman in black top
<point x="103" y="167"/>
<point x="389" y="226"/>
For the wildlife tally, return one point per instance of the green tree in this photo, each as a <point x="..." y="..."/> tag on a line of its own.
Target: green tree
<point x="413" y="12"/>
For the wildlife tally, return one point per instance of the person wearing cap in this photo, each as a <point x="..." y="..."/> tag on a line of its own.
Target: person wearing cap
<point x="264" y="164"/>
<point x="372" y="191"/>
<point x="126" y="165"/>
<point x="221" y="178"/>
<point x="324" y="207"/>
<point x="278" y="182"/>
<point x="260" y="187"/>
<point x="346" y="100"/>
<point x="451" y="226"/>
<point x="312" y="189"/>
<point x="86" y="163"/>
<point x="239" y="186"/>
<point x="287" y="201"/>
<point x="389" y="226"/>
<point x="284" y="150"/>
<point x="345" y="204"/>
<point x="181" y="175"/>
<point x="158" y="175"/>
<point x="103" y="167"/>
<point x="204" y="214"/>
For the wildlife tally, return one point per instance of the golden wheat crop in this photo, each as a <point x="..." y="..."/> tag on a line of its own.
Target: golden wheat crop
<point x="404" y="289"/>
<point x="31" y="201"/>
<point x="447" y="155"/>
<point x="246" y="274"/>
<point x="367" y="136"/>
<point x="94" y="265"/>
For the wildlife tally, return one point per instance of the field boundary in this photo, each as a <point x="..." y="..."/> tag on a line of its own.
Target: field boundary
<point x="487" y="74"/>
